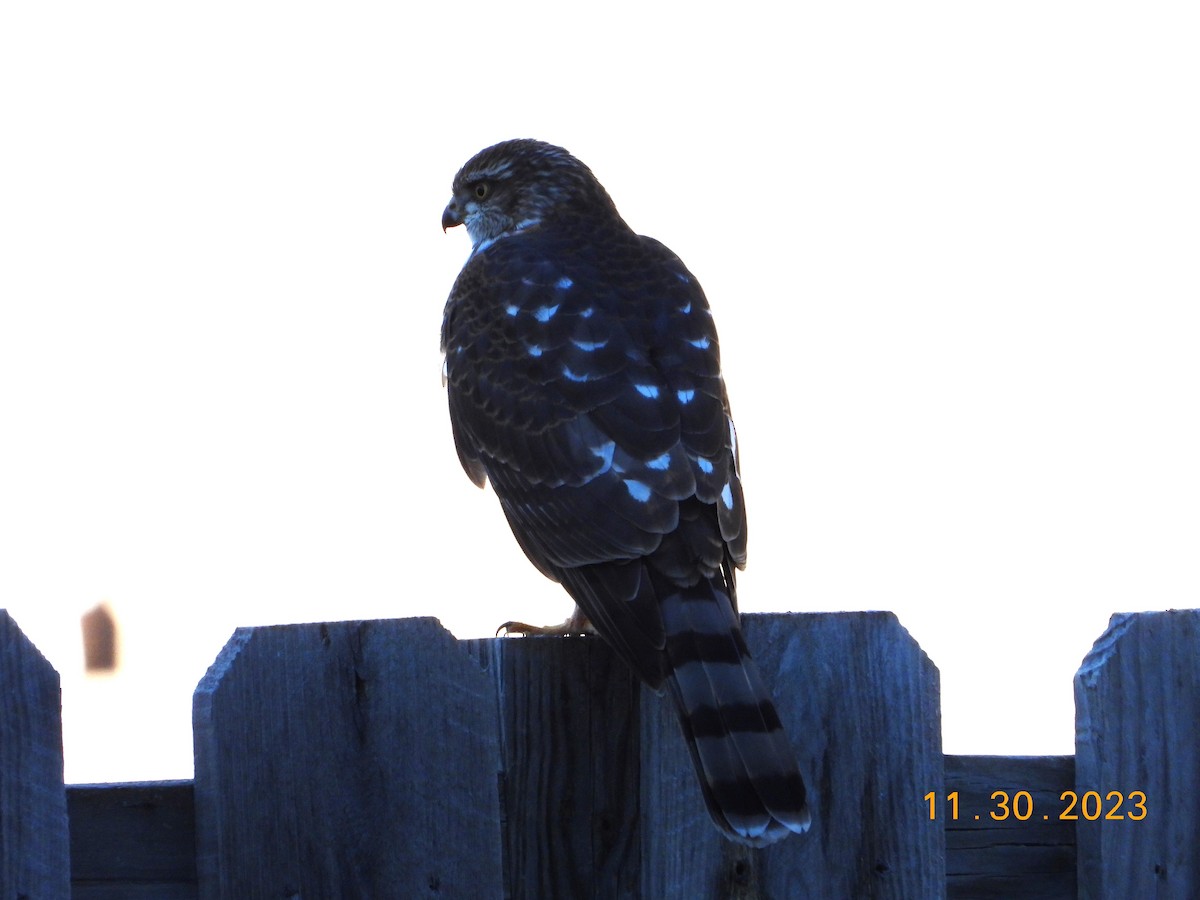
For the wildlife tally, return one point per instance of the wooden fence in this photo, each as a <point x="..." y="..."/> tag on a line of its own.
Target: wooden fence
<point x="385" y="759"/>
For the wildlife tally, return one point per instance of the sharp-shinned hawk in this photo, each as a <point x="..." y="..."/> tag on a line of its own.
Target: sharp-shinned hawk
<point x="584" y="382"/>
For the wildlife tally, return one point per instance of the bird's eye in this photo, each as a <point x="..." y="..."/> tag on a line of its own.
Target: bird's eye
<point x="482" y="190"/>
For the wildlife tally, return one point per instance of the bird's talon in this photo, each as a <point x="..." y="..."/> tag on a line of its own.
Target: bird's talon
<point x="516" y="629"/>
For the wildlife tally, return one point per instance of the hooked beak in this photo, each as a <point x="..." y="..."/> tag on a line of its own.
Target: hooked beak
<point x="451" y="215"/>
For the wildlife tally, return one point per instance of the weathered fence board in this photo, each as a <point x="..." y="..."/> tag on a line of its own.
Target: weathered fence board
<point x="601" y="799"/>
<point x="133" y="841"/>
<point x="354" y="759"/>
<point x="569" y="713"/>
<point x="1137" y="714"/>
<point x="33" y="807"/>
<point x="868" y="763"/>
<point x="998" y="848"/>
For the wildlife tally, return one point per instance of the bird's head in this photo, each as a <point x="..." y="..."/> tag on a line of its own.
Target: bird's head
<point x="515" y="185"/>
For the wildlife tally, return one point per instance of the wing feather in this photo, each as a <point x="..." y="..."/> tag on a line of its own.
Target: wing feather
<point x="585" y="384"/>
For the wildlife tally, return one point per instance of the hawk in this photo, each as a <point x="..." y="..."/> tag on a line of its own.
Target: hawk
<point x="584" y="382"/>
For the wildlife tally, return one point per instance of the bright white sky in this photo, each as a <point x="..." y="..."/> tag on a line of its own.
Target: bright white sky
<point x="952" y="250"/>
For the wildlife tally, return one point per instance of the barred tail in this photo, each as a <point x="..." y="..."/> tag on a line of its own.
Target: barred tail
<point x="747" y="767"/>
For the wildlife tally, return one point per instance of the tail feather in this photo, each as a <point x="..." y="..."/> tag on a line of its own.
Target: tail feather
<point x="747" y="767"/>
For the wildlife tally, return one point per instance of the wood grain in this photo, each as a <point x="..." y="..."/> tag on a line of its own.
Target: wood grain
<point x="352" y="759"/>
<point x="133" y="840"/>
<point x="33" y="806"/>
<point x="860" y="701"/>
<point x="1137" y="715"/>
<point x="569" y="732"/>
<point x="988" y="859"/>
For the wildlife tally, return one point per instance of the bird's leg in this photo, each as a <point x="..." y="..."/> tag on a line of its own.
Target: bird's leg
<point x="577" y="623"/>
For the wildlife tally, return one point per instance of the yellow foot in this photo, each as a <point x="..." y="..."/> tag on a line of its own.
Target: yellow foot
<point x="577" y="624"/>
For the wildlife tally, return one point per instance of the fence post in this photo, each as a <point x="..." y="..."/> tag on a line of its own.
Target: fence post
<point x="350" y="759"/>
<point x="1137" y="702"/>
<point x="34" y="854"/>
<point x="569" y="738"/>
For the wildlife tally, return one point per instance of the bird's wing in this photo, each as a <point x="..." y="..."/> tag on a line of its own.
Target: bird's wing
<point x="588" y="389"/>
